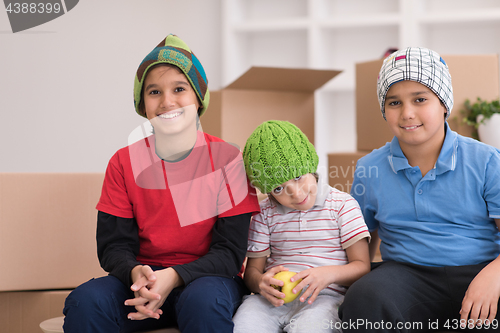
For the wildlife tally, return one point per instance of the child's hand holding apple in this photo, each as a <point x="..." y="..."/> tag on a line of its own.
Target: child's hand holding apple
<point x="269" y="286"/>
<point x="287" y="286"/>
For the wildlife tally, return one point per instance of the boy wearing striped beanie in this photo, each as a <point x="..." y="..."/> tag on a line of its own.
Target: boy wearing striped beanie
<point x="435" y="206"/>
<point x="306" y="227"/>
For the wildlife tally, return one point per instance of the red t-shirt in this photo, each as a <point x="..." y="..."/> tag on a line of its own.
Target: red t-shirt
<point x="176" y="204"/>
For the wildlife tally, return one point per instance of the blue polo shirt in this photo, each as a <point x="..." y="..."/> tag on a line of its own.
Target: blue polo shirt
<point x="443" y="219"/>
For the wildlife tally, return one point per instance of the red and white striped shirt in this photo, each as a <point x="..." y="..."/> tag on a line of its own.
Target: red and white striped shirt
<point x="317" y="237"/>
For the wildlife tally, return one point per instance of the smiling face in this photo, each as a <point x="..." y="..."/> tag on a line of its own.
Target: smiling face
<point x="415" y="115"/>
<point x="170" y="102"/>
<point x="298" y="193"/>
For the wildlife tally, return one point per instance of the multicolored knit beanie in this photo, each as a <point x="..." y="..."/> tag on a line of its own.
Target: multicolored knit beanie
<point x="172" y="50"/>
<point x="276" y="152"/>
<point x="420" y="65"/>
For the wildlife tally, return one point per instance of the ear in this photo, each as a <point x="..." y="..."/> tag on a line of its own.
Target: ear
<point x="444" y="107"/>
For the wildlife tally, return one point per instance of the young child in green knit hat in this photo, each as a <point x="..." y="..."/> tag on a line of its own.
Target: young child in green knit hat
<point x="173" y="216"/>
<point x="306" y="227"/>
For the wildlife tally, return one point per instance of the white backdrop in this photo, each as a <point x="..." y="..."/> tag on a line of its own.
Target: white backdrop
<point x="66" y="87"/>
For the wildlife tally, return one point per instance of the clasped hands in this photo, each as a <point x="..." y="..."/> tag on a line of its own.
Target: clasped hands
<point x="151" y="289"/>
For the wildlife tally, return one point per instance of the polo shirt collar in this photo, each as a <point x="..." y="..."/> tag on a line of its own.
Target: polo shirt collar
<point x="323" y="190"/>
<point x="447" y="160"/>
<point x="397" y="159"/>
<point x="447" y="157"/>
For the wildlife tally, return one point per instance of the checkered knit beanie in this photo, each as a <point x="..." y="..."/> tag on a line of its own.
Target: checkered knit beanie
<point x="276" y="152"/>
<point x="420" y="65"/>
<point x="172" y="50"/>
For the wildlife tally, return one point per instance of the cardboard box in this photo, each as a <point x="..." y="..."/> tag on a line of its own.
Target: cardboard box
<point x="48" y="230"/>
<point x="264" y="93"/>
<point x="22" y="312"/>
<point x="472" y="76"/>
<point x="341" y="168"/>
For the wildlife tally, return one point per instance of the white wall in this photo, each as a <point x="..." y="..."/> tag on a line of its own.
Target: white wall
<point x="66" y="102"/>
<point x="66" y="86"/>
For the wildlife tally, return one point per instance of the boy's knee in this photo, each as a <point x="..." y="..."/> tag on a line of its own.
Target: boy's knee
<point x="210" y="295"/>
<point x="317" y="319"/>
<point x="363" y="290"/>
<point x="363" y="296"/>
<point x="208" y="302"/>
<point x="93" y="295"/>
<point x="83" y="297"/>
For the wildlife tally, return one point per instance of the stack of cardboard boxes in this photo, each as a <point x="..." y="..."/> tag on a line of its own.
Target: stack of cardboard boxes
<point x="472" y="76"/>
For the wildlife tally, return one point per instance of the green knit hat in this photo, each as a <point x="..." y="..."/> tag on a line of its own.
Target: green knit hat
<point x="276" y="152"/>
<point x="172" y="50"/>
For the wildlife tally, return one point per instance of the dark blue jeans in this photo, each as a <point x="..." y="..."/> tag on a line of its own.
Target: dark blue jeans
<point x="401" y="297"/>
<point x="205" y="305"/>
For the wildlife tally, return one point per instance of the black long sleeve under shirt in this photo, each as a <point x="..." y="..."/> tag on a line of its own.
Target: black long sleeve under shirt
<point x="118" y="246"/>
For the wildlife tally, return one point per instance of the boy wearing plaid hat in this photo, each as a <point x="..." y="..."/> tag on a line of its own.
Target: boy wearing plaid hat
<point x="305" y="226"/>
<point x="435" y="206"/>
<point x="173" y="214"/>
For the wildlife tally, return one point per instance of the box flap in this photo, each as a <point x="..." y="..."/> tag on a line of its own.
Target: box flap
<point x="283" y="79"/>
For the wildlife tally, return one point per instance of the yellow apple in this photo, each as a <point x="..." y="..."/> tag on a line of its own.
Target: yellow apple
<point x="287" y="286"/>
